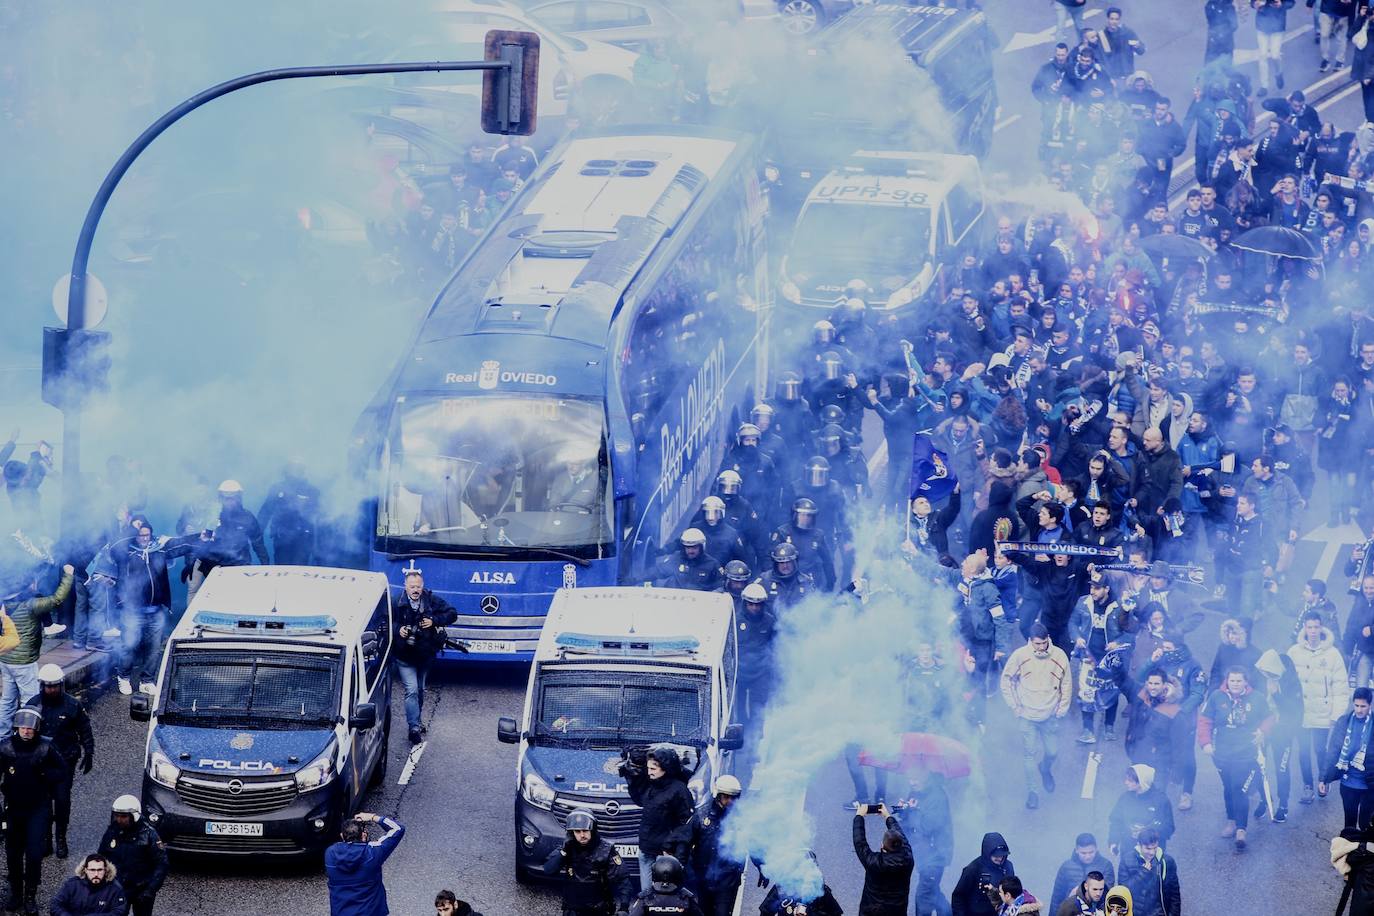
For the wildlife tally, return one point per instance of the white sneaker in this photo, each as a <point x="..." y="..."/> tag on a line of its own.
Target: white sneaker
<point x="149" y="689"/>
<point x="125" y="687"/>
<point x="55" y="630"/>
<point x="111" y="633"/>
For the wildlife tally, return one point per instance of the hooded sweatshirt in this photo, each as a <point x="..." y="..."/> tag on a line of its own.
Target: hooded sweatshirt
<point x="968" y="898"/>
<point x="1135" y="811"/>
<point x="1122" y="893"/>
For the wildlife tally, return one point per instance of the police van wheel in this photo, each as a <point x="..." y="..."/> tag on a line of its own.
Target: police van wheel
<point x="379" y="771"/>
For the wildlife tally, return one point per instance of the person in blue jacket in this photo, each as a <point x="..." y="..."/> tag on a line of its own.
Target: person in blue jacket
<point x="354" y="866"/>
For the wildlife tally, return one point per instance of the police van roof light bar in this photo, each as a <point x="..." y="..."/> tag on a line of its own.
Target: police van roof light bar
<point x="650" y="646"/>
<point x="232" y="623"/>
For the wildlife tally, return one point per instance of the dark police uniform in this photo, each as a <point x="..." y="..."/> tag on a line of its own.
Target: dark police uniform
<point x="815" y="559"/>
<point x="676" y="571"/>
<point x="31" y="773"/>
<point x="590" y="884"/>
<point x="67" y="725"/>
<point x="680" y="901"/>
<point x="786" y="591"/>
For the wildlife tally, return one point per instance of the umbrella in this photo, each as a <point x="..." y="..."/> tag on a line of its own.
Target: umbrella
<point x="1174" y="246"/>
<point x="1279" y="241"/>
<point x="926" y="752"/>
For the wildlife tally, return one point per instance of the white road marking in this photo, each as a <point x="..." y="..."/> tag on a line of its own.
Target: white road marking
<point x="1333" y="538"/>
<point x="1022" y="40"/>
<point x="1006" y="122"/>
<point x="412" y="759"/>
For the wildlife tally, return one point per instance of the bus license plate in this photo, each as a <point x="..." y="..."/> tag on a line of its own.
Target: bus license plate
<point x="225" y="828"/>
<point x="491" y="646"/>
<point x="627" y="850"/>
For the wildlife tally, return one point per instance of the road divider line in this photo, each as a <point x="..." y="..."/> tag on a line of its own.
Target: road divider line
<point x="1006" y="122"/>
<point x="412" y="760"/>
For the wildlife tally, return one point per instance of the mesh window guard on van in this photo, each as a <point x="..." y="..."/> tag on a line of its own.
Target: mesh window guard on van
<point x="247" y="686"/>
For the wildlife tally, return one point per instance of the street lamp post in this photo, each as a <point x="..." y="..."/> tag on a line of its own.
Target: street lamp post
<point x="509" y="107"/>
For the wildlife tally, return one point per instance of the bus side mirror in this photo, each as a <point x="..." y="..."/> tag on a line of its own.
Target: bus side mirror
<point x="733" y="739"/>
<point x="507" y="732"/>
<point x="140" y="707"/>
<point x="364" y="717"/>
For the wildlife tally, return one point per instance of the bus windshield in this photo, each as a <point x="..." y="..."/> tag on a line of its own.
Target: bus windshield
<point x="497" y="473"/>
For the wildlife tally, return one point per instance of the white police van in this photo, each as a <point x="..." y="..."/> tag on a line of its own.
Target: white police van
<point x="271" y="716"/>
<point x="615" y="668"/>
<point x="894" y="220"/>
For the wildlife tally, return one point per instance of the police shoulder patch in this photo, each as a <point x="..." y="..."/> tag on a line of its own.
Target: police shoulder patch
<point x="615" y="860"/>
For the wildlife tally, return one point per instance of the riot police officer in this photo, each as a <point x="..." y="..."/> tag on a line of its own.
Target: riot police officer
<point x="757" y="628"/>
<point x="690" y="566"/>
<point x="815" y="484"/>
<point x="712" y="874"/>
<point x="784" y="583"/>
<point x="792" y="416"/>
<point x="847" y="466"/>
<point x="589" y="868"/>
<point x="758" y="475"/>
<point x="738" y="575"/>
<point x="666" y="893"/>
<point x="137" y="852"/>
<point x="66" y="724"/>
<point x="290" y="516"/>
<point x="740" y="513"/>
<point x="722" y="541"/>
<point x="31" y="771"/>
<point x="815" y="556"/>
<point x="770" y="442"/>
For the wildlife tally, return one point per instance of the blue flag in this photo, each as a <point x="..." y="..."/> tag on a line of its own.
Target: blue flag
<point x="931" y="475"/>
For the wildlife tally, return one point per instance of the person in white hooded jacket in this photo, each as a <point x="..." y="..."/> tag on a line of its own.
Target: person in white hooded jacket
<point x="1325" y="693"/>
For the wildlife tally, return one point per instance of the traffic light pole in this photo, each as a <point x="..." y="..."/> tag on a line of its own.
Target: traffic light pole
<point x="76" y="296"/>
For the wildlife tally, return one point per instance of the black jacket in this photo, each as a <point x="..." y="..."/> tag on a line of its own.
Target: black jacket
<point x="930" y="827"/>
<point x="30" y="771"/>
<point x="139" y="856"/>
<point x="651" y="901"/>
<point x="78" y="897"/>
<point x="775" y="904"/>
<point x="887" y="875"/>
<point x="237" y="539"/>
<point x="143" y="579"/>
<point x="66" y="723"/>
<point x="969" y="897"/>
<point x="665" y="824"/>
<point x="589" y="876"/>
<point x="424" y="643"/>
<point x="711" y="865"/>
<point x="1157" y="477"/>
<point x="1073" y="873"/>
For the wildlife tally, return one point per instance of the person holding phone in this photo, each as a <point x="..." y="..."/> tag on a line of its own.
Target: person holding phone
<point x="887" y="869"/>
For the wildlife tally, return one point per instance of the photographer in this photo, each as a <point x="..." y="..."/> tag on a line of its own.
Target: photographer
<point x="977" y="893"/>
<point x="420" y="619"/>
<point x="887" y="870"/>
<point x="658" y="785"/>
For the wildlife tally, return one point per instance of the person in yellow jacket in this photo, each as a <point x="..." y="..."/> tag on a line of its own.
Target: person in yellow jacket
<point x="1119" y="901"/>
<point x="1037" y="685"/>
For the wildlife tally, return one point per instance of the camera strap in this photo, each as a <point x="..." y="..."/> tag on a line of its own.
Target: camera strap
<point x="1345" y="898"/>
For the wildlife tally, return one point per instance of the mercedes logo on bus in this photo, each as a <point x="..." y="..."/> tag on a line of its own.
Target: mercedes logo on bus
<point x="490" y="604"/>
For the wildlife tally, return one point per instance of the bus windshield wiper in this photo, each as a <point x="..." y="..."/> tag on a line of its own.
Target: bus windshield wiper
<point x="562" y="555"/>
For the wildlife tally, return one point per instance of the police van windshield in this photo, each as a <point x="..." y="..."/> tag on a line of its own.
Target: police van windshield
<point x="887" y="239"/>
<point x="591" y="709"/>
<point x="497" y="473"/>
<point x="262" y="689"/>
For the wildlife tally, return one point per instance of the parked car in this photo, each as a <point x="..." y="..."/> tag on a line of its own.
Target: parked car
<point x="630" y="24"/>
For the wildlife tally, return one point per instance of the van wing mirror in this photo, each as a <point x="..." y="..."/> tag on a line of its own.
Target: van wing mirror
<point x="507" y="732"/>
<point x="733" y="738"/>
<point x="364" y="717"/>
<point x="140" y="707"/>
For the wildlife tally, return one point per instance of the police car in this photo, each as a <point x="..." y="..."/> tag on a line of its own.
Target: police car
<point x="618" y="667"/>
<point x="894" y="220"/>
<point x="271" y="716"/>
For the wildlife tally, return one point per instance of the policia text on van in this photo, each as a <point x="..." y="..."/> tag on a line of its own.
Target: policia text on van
<point x="271" y="718"/>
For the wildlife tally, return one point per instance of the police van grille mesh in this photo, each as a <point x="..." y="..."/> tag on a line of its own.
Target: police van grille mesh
<point x="623" y="826"/>
<point x="269" y="685"/>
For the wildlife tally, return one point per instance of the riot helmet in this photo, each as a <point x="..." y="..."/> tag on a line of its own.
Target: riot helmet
<point x="762" y="416"/>
<point x="784" y="558"/>
<point x="28" y="717"/>
<point x="693" y="542"/>
<point x="804" y="514"/>
<point x="748" y="435"/>
<point x="580" y="819"/>
<point x="817" y="472"/>
<point x="127" y="804"/>
<point x="830" y="439"/>
<point x="666" y="875"/>
<point x="788" y="388"/>
<point x="832" y="367"/>
<point x="729" y="482"/>
<point x="832" y="413"/>
<point x="853" y="309"/>
<point x="754" y="596"/>
<point x="823" y="332"/>
<point x="713" y="509"/>
<point x="738" y="571"/>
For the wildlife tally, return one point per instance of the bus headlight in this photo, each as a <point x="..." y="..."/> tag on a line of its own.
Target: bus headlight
<point x="535" y="791"/>
<point x="161" y="769"/>
<point x="318" y="772"/>
<point x="790" y="292"/>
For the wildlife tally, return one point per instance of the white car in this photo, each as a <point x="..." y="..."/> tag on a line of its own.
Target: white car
<point x="592" y="77"/>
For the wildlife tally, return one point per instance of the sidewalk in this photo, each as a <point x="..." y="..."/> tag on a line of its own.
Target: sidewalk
<point x="84" y="668"/>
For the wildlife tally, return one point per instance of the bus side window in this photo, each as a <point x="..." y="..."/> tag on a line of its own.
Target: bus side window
<point x="378" y="628"/>
<point x="964" y="208"/>
<point x="728" y="663"/>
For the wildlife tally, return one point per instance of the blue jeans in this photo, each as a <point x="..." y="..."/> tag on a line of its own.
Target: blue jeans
<point x="91" y="617"/>
<point x="1036" y="736"/>
<point x="143" y="629"/>
<point x="413" y="679"/>
<point x="646" y="863"/>
<point x="20" y="685"/>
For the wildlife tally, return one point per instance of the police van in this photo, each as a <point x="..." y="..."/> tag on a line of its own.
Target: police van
<point x="894" y="220"/>
<point x="271" y="716"/>
<point x="617" y="668"/>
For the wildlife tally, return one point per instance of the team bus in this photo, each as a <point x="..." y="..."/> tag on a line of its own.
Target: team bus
<point x="567" y="401"/>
